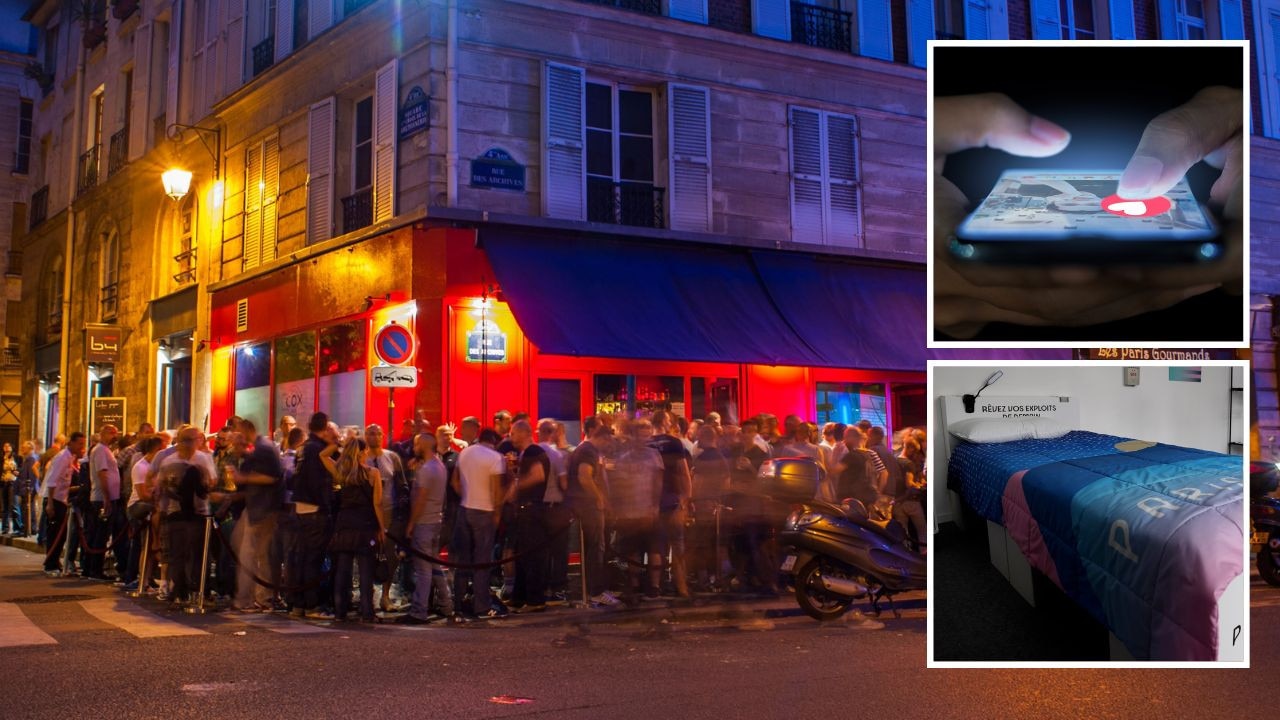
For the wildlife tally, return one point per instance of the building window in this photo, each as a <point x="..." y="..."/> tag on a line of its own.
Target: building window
<point x="175" y="381"/>
<point x="184" y="246"/>
<point x="948" y="19"/>
<point x="1076" y="17"/>
<point x="826" y="189"/>
<point x="53" y="300"/>
<point x="620" y="156"/>
<point x="1191" y="19"/>
<point x="22" y="156"/>
<point x="357" y="208"/>
<point x="253" y="383"/>
<point x="342" y="369"/>
<point x="110" y="262"/>
<point x="1268" y="46"/>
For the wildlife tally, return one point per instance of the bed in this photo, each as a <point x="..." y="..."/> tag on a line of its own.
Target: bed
<point x="1146" y="537"/>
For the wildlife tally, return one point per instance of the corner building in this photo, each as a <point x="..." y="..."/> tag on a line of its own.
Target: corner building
<point x="576" y="206"/>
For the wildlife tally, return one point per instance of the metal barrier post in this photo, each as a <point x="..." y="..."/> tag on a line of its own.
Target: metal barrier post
<point x="145" y="559"/>
<point x="582" y="565"/>
<point x="198" y="608"/>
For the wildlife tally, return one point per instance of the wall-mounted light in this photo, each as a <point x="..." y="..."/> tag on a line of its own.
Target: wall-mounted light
<point x="177" y="183"/>
<point x="969" y="400"/>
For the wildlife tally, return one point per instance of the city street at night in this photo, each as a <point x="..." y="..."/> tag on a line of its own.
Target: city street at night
<point x="131" y="658"/>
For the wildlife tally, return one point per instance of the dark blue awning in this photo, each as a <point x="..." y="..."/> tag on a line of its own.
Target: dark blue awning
<point x="598" y="296"/>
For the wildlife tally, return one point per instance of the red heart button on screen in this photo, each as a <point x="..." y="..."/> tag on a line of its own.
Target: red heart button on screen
<point x="1150" y="207"/>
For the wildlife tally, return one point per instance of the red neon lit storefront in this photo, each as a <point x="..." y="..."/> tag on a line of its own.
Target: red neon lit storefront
<point x="300" y="338"/>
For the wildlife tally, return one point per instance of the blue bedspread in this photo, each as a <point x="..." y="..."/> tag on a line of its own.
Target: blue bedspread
<point x="1146" y="540"/>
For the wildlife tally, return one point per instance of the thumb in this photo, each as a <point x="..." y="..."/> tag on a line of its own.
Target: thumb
<point x="995" y="121"/>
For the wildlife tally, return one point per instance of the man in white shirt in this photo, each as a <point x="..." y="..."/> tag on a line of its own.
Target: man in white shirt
<point x="478" y="481"/>
<point x="138" y="510"/>
<point x="185" y="526"/>
<point x="105" y="517"/>
<point x="58" y="480"/>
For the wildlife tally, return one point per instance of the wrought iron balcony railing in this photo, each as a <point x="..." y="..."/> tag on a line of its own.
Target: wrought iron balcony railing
<point x="87" y="175"/>
<point x="39" y="206"/>
<point x="264" y="55"/>
<point x="110" y="301"/>
<point x="186" y="264"/>
<point x="118" y="151"/>
<point x="624" y="203"/>
<point x="357" y="210"/>
<point x="821" y="27"/>
<point x="648" y="7"/>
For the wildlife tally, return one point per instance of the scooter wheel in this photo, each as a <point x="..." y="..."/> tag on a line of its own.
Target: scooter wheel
<point x="1267" y="568"/>
<point x="816" y="601"/>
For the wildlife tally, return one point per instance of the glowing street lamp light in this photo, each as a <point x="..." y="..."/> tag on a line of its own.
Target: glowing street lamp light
<point x="176" y="182"/>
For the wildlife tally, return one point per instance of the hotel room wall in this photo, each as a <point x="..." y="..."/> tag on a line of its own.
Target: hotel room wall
<point x="1179" y="413"/>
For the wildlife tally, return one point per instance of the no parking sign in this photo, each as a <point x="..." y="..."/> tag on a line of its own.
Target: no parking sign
<point x="394" y="345"/>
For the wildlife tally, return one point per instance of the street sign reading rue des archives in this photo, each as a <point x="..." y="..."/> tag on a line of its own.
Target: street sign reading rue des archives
<point x="497" y="169"/>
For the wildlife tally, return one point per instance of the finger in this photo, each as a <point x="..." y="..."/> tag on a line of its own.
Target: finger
<point x="1230" y="158"/>
<point x="993" y="120"/>
<point x="1137" y="304"/>
<point x="1177" y="139"/>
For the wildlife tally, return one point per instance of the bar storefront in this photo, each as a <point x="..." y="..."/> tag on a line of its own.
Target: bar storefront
<point x="562" y="327"/>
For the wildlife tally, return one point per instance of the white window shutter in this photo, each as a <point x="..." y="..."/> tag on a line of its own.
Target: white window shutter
<point x="284" y="29"/>
<point x="386" y="101"/>
<point x="233" y="52"/>
<point x="689" y="185"/>
<point x="1269" y="77"/>
<point x="270" y="196"/>
<point x="771" y="18"/>
<point x="564" y="186"/>
<point x="691" y="10"/>
<point x="1231" y="19"/>
<point x="1122" y="27"/>
<point x="209" y="91"/>
<point x="875" y="34"/>
<point x="320" y="14"/>
<point x="175" y="66"/>
<point x="1167" y="12"/>
<point x="919" y="30"/>
<point x="252" y="255"/>
<point x="320" y="150"/>
<point x="807" y="218"/>
<point x="844" y="219"/>
<point x="977" y="20"/>
<point x="136" y="117"/>
<point x="1046" y="21"/>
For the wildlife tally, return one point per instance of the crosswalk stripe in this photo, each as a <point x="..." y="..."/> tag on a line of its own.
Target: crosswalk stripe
<point x="127" y="616"/>
<point x="282" y="626"/>
<point x="16" y="629"/>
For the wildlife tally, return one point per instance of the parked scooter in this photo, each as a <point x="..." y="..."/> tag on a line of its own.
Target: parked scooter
<point x="1265" y="511"/>
<point x="837" y="553"/>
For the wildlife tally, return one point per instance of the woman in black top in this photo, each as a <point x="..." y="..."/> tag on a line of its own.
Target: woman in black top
<point x="359" y="528"/>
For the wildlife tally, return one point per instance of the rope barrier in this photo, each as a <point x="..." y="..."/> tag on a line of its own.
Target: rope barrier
<point x="62" y="531"/>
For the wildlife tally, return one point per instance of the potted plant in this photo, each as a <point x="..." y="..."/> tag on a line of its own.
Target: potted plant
<point x="91" y="14"/>
<point x="36" y="71"/>
<point x="121" y="9"/>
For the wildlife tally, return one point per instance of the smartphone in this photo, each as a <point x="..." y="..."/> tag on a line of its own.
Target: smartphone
<point x="1075" y="217"/>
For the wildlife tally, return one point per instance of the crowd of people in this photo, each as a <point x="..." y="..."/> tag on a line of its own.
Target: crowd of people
<point x="460" y="522"/>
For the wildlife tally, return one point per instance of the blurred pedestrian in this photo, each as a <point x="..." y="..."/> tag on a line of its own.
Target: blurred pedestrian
<point x="635" y="486"/>
<point x="430" y="481"/>
<point x="530" y="467"/>
<point x="59" y="479"/>
<point x="558" y="516"/>
<point x="260" y="478"/>
<point x="312" y="499"/>
<point x="359" y="528"/>
<point x="478" y="481"/>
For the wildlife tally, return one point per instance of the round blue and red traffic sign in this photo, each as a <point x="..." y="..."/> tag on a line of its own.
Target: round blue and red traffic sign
<point x="394" y="345"/>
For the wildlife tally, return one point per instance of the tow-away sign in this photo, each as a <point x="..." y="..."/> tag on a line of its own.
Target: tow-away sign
<point x="387" y="376"/>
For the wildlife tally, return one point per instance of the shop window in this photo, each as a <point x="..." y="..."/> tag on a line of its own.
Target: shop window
<point x="850" y="402"/>
<point x="343" y="373"/>
<point x="295" y="381"/>
<point x="639" y="393"/>
<point x="175" y="393"/>
<point x="561" y="400"/>
<point x="253" y="383"/>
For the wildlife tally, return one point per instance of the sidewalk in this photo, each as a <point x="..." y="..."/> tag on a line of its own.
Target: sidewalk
<point x="720" y="608"/>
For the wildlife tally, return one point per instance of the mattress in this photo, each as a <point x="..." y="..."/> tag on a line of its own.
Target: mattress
<point x="1144" y="536"/>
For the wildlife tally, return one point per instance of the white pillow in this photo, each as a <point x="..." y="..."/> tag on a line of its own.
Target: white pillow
<point x="998" y="430"/>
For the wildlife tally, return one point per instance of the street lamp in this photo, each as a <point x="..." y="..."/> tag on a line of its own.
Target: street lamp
<point x="176" y="182"/>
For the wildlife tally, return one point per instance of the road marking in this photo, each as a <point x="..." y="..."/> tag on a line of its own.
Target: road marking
<point x="16" y="629"/>
<point x="127" y="616"/>
<point x="281" y="625"/>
